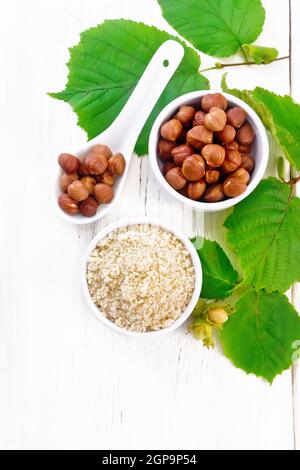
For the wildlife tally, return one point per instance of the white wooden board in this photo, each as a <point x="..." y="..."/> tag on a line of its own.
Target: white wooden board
<point x="66" y="381"/>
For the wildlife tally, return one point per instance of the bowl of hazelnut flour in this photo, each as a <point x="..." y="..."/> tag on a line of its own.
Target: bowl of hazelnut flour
<point x="141" y="277"/>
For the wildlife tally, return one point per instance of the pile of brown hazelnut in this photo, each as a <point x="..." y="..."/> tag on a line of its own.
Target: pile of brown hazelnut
<point x="206" y="150"/>
<point x="87" y="183"/>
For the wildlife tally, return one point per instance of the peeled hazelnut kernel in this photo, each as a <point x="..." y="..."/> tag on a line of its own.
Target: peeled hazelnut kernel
<point x="89" y="207"/>
<point x="67" y="204"/>
<point x="165" y="148"/>
<point x="107" y="178"/>
<point x="89" y="182"/>
<point x="195" y="189"/>
<point x="198" y="136"/>
<point x="180" y="153"/>
<point x="68" y="163"/>
<point x="212" y="176"/>
<point x="245" y="135"/>
<point x="248" y="163"/>
<point x="82" y="170"/>
<point x="167" y="166"/>
<point x="236" y="117"/>
<point x="214" y="193"/>
<point x="227" y="135"/>
<point x="241" y="174"/>
<point x="175" y="178"/>
<point x="218" y="315"/>
<point x="96" y="163"/>
<point x="117" y="164"/>
<point x="100" y="149"/>
<point x="185" y="115"/>
<point x="193" y="168"/>
<point x="212" y="100"/>
<point x="231" y="145"/>
<point x="245" y="149"/>
<point x="171" y="130"/>
<point x="78" y="191"/>
<point x="232" y="161"/>
<point x="213" y="154"/>
<point x="215" y="120"/>
<point x="103" y="193"/>
<point x="66" y="180"/>
<point x="233" y="187"/>
<point x="199" y="118"/>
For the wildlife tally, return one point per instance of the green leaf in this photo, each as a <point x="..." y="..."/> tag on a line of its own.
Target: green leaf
<point x="105" y="67"/>
<point x="216" y="27"/>
<point x="280" y="115"/>
<point x="219" y="277"/>
<point x="264" y="232"/>
<point x="260" y="55"/>
<point x="259" y="337"/>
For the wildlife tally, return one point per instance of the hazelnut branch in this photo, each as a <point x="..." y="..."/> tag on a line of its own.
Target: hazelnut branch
<point x="218" y="65"/>
<point x="293" y="181"/>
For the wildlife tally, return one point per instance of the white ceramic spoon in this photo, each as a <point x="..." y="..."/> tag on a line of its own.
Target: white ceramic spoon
<point x="122" y="134"/>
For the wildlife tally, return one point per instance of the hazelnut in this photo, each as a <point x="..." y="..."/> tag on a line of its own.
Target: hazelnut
<point x="232" y="161"/>
<point x="185" y="115"/>
<point x="193" y="168"/>
<point x="198" y="136"/>
<point x="103" y="193"/>
<point x="227" y="135"/>
<point x="171" y="130"/>
<point x="234" y="187"/>
<point x="165" y="148"/>
<point x="199" y="118"/>
<point x="89" y="207"/>
<point x="66" y="180"/>
<point x="82" y="170"/>
<point x="96" y="163"/>
<point x="215" y="120"/>
<point x="213" y="154"/>
<point x="175" y="178"/>
<point x="245" y="149"/>
<point x="100" y="149"/>
<point x="68" y="163"/>
<point x="78" y="191"/>
<point x="241" y="174"/>
<point x="181" y="152"/>
<point x="212" y="176"/>
<point x="167" y="166"/>
<point x="117" y="164"/>
<point x="89" y="182"/>
<point x="248" y="163"/>
<point x="107" y="178"/>
<point x="236" y="117"/>
<point x="195" y="189"/>
<point x="245" y="135"/>
<point x="218" y="315"/>
<point x="231" y="145"/>
<point x="214" y="193"/>
<point x="212" y="100"/>
<point x="67" y="204"/>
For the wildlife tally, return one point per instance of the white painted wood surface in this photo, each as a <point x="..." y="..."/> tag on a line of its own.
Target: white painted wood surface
<point x="66" y="381"/>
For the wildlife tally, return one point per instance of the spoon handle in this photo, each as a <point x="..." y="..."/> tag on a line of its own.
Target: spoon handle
<point x="158" y="73"/>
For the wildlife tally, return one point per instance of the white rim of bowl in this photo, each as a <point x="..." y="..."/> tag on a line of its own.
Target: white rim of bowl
<point x="195" y="260"/>
<point x="199" y="205"/>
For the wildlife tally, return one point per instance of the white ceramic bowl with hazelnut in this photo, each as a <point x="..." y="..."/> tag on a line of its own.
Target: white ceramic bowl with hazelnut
<point x="260" y="149"/>
<point x="195" y="261"/>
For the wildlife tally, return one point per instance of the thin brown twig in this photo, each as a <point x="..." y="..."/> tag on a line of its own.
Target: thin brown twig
<point x="239" y="64"/>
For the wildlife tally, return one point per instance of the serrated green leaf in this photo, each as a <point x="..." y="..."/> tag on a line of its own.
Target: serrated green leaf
<point x="264" y="232"/>
<point x="219" y="277"/>
<point x="105" y="67"/>
<point x="280" y="115"/>
<point x="216" y="27"/>
<point x="259" y="337"/>
<point x="259" y="54"/>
